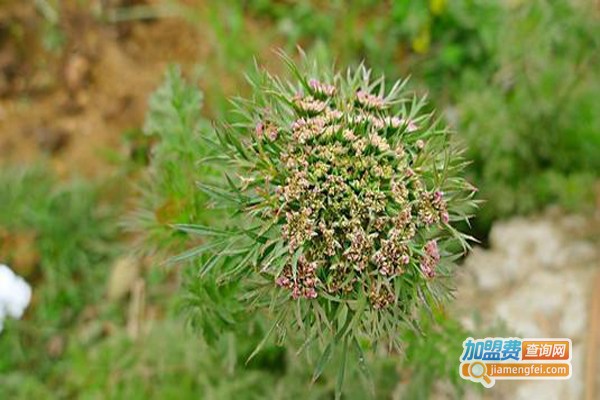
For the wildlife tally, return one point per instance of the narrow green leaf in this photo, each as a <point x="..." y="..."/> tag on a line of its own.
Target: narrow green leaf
<point x="201" y="230"/>
<point x="341" y="372"/>
<point x="363" y="368"/>
<point x="196" y="251"/>
<point x="265" y="339"/>
<point x="357" y="314"/>
<point x="323" y="360"/>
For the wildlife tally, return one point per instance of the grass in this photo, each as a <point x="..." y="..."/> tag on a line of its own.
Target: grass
<point x="72" y="239"/>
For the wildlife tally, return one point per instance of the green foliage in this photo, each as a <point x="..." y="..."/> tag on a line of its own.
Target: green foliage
<point x="170" y="363"/>
<point x="186" y="368"/>
<point x="433" y="40"/>
<point x="167" y="193"/>
<point x="534" y="131"/>
<point x="52" y="37"/>
<point x="74" y="240"/>
<point x="72" y="231"/>
<point x="432" y="357"/>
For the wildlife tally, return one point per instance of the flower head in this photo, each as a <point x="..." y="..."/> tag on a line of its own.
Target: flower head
<point x="321" y="89"/>
<point x="369" y="101"/>
<point x="346" y="202"/>
<point x="430" y="259"/>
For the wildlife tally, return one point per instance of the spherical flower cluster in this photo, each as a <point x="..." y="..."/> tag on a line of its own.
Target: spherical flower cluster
<point x="348" y="191"/>
<point x="348" y="198"/>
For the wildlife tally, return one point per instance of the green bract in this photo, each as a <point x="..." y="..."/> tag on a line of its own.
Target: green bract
<point x="342" y="195"/>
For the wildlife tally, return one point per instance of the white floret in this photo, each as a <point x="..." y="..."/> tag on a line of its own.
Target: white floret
<point x="15" y="294"/>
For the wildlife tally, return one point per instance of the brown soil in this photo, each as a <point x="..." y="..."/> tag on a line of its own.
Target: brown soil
<point x="74" y="105"/>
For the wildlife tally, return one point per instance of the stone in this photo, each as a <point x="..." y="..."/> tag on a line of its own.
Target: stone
<point x="542" y="390"/>
<point x="520" y="239"/>
<point x="573" y="388"/>
<point x="574" y="319"/>
<point x="534" y="281"/>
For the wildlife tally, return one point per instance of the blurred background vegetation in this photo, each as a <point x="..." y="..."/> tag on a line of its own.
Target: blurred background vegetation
<point x="98" y="157"/>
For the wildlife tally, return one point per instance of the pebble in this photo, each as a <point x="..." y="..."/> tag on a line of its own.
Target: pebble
<point x="535" y="281"/>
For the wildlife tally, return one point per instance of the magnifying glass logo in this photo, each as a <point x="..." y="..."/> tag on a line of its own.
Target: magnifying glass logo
<point x="478" y="370"/>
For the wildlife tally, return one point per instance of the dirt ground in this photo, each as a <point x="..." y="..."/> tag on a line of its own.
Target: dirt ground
<point x="74" y="105"/>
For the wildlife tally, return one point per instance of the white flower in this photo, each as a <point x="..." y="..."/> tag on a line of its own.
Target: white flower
<point x="15" y="294"/>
